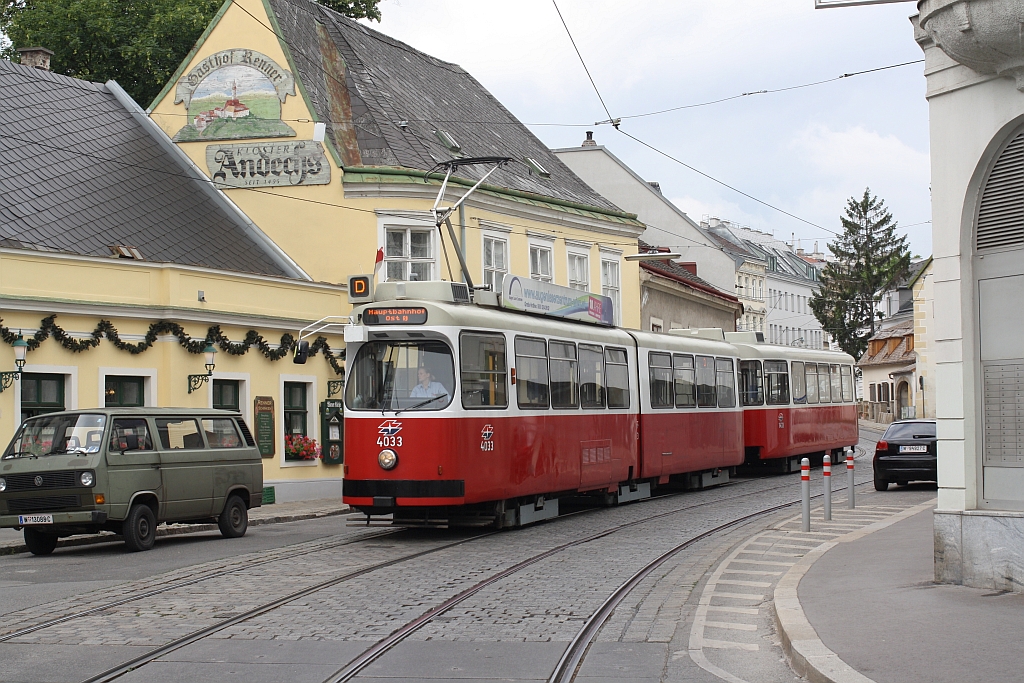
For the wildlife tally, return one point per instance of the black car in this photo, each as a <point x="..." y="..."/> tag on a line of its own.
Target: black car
<point x="906" y="452"/>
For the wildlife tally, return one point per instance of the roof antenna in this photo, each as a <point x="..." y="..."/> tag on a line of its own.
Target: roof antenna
<point x="444" y="215"/>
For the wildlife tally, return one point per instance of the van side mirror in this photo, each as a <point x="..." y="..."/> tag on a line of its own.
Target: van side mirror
<point x="301" y="353"/>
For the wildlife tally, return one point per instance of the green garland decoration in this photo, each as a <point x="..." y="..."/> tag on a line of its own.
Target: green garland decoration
<point x="105" y="329"/>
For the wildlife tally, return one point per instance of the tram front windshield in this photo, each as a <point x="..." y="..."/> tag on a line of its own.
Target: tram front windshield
<point x="401" y="375"/>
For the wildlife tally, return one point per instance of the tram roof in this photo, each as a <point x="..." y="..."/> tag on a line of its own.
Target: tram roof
<point x="791" y="353"/>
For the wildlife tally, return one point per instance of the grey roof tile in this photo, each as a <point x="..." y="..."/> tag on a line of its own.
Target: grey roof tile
<point x="77" y="182"/>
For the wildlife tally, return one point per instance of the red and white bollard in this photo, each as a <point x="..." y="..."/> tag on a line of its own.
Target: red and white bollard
<point x="826" y="471"/>
<point x="805" y="488"/>
<point x="850" y="503"/>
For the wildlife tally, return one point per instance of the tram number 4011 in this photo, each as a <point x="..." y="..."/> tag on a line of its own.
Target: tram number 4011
<point x="389" y="441"/>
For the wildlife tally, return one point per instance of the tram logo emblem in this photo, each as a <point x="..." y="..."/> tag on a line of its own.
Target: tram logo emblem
<point x="390" y="427"/>
<point x="487" y="432"/>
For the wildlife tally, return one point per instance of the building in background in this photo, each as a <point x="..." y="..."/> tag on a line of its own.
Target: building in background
<point x="672" y="296"/>
<point x="896" y="303"/>
<point x="750" y="278"/>
<point x="666" y="225"/>
<point x="789" y="284"/>
<point x="889" y="374"/>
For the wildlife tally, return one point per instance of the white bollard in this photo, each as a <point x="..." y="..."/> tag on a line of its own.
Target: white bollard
<point x="826" y="471"/>
<point x="850" y="502"/>
<point x="805" y="489"/>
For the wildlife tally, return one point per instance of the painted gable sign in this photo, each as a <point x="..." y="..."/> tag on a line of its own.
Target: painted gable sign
<point x="234" y="95"/>
<point x="268" y="164"/>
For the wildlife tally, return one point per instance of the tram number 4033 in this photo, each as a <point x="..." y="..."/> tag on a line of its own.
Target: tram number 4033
<point x="389" y="441"/>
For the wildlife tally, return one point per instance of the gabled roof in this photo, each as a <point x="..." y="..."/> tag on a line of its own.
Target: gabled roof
<point x="674" y="271"/>
<point x="383" y="102"/>
<point x="82" y="170"/>
<point x="899" y="355"/>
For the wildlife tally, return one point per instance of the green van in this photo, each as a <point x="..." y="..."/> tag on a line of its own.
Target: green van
<point x="127" y="470"/>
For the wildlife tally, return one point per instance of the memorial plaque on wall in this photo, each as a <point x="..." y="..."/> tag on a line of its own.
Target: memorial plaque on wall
<point x="263" y="412"/>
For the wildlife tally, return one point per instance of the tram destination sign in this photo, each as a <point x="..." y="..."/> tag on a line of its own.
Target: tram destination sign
<point x="395" y="315"/>
<point x="533" y="296"/>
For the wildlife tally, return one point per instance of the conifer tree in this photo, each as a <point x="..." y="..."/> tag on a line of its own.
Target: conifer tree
<point x="870" y="257"/>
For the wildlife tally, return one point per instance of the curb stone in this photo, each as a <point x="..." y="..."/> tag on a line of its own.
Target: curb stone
<point x="174" y="530"/>
<point x="807" y="655"/>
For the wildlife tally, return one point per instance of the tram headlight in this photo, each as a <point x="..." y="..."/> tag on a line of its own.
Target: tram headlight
<point x="387" y="459"/>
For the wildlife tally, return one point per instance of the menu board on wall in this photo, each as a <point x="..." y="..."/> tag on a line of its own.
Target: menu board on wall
<point x="264" y="417"/>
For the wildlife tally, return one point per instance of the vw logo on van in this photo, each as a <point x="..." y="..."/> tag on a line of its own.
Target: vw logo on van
<point x="38" y="481"/>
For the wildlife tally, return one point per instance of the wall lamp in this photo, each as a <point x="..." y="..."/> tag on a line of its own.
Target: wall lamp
<point x="20" y="350"/>
<point x="196" y="381"/>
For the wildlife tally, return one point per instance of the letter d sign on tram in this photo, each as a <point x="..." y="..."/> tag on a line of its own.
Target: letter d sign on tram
<point x="360" y="289"/>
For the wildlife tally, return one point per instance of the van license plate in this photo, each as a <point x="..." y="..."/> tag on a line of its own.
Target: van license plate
<point x="913" y="449"/>
<point x="24" y="520"/>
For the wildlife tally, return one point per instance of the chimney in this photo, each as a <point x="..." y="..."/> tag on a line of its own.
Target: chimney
<point x="690" y="266"/>
<point x="589" y="142"/>
<point x="656" y="185"/>
<point x="799" y="251"/>
<point x="38" y="57"/>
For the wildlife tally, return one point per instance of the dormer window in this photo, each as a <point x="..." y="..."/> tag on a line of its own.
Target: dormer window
<point x="124" y="251"/>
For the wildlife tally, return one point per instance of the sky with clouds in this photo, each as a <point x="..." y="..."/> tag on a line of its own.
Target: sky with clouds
<point x="805" y="151"/>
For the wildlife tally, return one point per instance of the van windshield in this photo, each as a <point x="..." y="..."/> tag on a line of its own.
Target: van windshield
<point x="401" y="376"/>
<point x="55" y="434"/>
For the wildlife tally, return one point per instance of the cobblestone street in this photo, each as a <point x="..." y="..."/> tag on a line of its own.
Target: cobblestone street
<point x="703" y="615"/>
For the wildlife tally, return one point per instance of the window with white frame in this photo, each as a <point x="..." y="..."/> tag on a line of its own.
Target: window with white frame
<point x="408" y="254"/>
<point x="495" y="261"/>
<point x="540" y="262"/>
<point x="579" y="272"/>
<point x="610" y="285"/>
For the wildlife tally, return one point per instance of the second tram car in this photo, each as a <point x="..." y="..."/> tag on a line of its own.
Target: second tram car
<point x="466" y="413"/>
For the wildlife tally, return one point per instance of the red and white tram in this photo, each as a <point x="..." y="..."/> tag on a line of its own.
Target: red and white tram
<point x="466" y="413"/>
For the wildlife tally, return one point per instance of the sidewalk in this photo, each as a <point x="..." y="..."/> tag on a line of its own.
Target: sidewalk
<point x="885" y="620"/>
<point x="11" y="542"/>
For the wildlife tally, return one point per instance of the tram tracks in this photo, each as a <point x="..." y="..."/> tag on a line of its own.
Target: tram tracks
<point x="569" y="662"/>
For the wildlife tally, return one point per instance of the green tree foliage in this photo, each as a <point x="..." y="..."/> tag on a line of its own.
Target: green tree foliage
<point x="870" y="257"/>
<point x="138" y="43"/>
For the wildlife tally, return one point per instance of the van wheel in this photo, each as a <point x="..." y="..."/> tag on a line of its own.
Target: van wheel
<point x="39" y="543"/>
<point x="139" y="528"/>
<point x="234" y="520"/>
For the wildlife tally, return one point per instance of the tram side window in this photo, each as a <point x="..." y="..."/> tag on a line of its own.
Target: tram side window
<point x="847" y="374"/>
<point x="837" y="384"/>
<point x="824" y="388"/>
<point x="531" y="373"/>
<point x="799" y="385"/>
<point x="706" y="395"/>
<point x="661" y="380"/>
<point x="726" y="383"/>
<point x="591" y="376"/>
<point x="617" y="379"/>
<point x="776" y="380"/>
<point x="564" y="380"/>
<point x="811" y="375"/>
<point x="751" y="384"/>
<point x="484" y="383"/>
<point x="686" y="386"/>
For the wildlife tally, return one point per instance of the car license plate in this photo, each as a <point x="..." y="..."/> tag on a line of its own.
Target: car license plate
<point x="913" y="449"/>
<point x="25" y="520"/>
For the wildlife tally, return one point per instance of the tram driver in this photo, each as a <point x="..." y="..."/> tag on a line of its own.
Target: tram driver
<point x="427" y="386"/>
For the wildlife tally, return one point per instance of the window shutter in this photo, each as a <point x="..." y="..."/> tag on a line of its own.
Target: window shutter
<point x="1001" y="214"/>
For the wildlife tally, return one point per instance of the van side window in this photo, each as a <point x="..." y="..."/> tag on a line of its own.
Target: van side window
<point x="130" y="435"/>
<point x="177" y="433"/>
<point x="726" y="382"/>
<point x="706" y="395"/>
<point x="484" y="371"/>
<point x="776" y="380"/>
<point x="564" y="380"/>
<point x="531" y="373"/>
<point x="751" y="384"/>
<point x="591" y="376"/>
<point x="685" y="382"/>
<point x="221" y="433"/>
<point x="799" y="384"/>
<point x="847" y="374"/>
<point x="661" y="380"/>
<point x="617" y="369"/>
